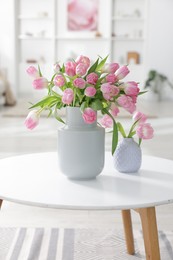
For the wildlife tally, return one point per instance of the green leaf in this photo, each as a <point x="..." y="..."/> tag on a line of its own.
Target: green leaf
<point x="46" y="102"/>
<point x="83" y="106"/>
<point x="79" y="94"/>
<point x="121" y="129"/>
<point x="93" y="67"/>
<point x="96" y="105"/>
<point x="132" y="128"/>
<point x="53" y="78"/>
<point x="59" y="105"/>
<point x="114" y="137"/>
<point x="142" y="92"/>
<point x="132" y="134"/>
<point x="62" y="68"/>
<point x="59" y="119"/>
<point x="39" y="70"/>
<point x="102" y="63"/>
<point x="50" y="112"/>
<point x="140" y="140"/>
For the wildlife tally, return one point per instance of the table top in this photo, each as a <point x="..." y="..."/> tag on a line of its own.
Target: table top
<point x="35" y="179"/>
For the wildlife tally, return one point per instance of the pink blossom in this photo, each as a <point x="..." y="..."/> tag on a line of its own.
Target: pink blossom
<point x="127" y="103"/>
<point x="92" y="78"/>
<point x="81" y="69"/>
<point x="56" y="67"/>
<point x="59" y="80"/>
<point x="79" y="83"/>
<point x="111" y="78"/>
<point x="145" y="131"/>
<point x="32" y="119"/>
<point x="83" y="59"/>
<point x="90" y="91"/>
<point x="110" y="67"/>
<point x="70" y="68"/>
<point x="114" y="109"/>
<point x="140" y="117"/>
<point x="40" y="83"/>
<point x="89" y="115"/>
<point x="109" y="90"/>
<point x="131" y="88"/>
<point x="106" y="121"/>
<point x="68" y="96"/>
<point x="33" y="72"/>
<point x="122" y="72"/>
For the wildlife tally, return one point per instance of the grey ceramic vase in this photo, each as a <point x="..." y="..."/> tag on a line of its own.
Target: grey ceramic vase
<point x="127" y="157"/>
<point x="81" y="147"/>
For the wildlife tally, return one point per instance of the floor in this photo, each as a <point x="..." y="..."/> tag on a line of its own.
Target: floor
<point x="15" y="139"/>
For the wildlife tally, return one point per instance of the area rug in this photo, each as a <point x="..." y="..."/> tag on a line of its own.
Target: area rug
<point x="74" y="244"/>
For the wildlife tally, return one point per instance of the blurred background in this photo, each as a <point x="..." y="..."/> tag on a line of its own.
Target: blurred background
<point x="134" y="32"/>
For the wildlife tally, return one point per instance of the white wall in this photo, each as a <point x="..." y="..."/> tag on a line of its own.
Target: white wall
<point x="160" y="41"/>
<point x="7" y="39"/>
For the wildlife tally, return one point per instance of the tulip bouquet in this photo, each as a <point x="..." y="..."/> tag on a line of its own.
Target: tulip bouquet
<point x="92" y="87"/>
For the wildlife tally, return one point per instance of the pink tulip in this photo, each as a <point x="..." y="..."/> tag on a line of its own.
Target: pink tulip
<point x="110" y="67"/>
<point x="79" y="83"/>
<point x="70" y="68"/>
<point x="92" y="78"/>
<point x="115" y="91"/>
<point x="90" y="91"/>
<point x="145" y="131"/>
<point x="56" y="67"/>
<point x="89" y="115"/>
<point x="106" y="88"/>
<point x="134" y="99"/>
<point x="127" y="103"/>
<point x="106" y="121"/>
<point x="140" y="117"/>
<point x="131" y="88"/>
<point x="33" y="72"/>
<point x="40" y="83"/>
<point x="122" y="72"/>
<point x="81" y="69"/>
<point x="83" y="59"/>
<point x="114" y="109"/>
<point x="32" y="119"/>
<point x="59" y="80"/>
<point x="111" y="78"/>
<point x="68" y="96"/>
<point x="109" y="90"/>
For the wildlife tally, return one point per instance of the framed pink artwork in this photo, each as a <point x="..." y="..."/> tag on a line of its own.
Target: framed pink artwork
<point x="82" y="15"/>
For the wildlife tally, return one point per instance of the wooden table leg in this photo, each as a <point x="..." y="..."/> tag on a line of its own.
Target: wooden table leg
<point x="150" y="233"/>
<point x="127" y="222"/>
<point x="1" y="203"/>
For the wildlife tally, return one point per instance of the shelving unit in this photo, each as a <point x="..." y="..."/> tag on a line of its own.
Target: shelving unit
<point x="42" y="36"/>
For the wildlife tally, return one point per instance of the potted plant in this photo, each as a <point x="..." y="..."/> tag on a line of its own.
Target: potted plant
<point x="156" y="81"/>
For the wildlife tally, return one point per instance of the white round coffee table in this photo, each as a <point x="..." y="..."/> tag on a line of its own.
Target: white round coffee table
<point x="35" y="179"/>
